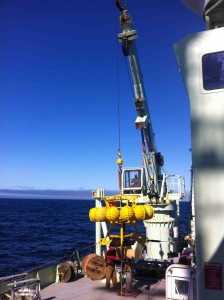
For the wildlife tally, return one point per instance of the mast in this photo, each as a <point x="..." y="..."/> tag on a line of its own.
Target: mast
<point x="153" y="160"/>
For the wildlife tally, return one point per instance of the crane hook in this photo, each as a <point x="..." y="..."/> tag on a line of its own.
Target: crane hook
<point x="119" y="163"/>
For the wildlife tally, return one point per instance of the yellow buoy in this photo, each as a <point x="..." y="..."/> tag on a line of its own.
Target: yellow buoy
<point x="101" y="214"/>
<point x="127" y="213"/>
<point x="149" y="212"/>
<point x="119" y="161"/>
<point x="92" y="214"/>
<point x="140" y="212"/>
<point x="112" y="214"/>
<point x="97" y="214"/>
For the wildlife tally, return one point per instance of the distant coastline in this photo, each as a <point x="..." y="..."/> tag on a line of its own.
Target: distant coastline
<point x="56" y="194"/>
<point x="49" y="194"/>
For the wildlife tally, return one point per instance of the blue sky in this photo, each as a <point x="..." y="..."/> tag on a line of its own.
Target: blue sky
<point x="58" y="91"/>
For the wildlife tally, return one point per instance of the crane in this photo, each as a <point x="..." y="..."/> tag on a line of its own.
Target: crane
<point x="152" y="181"/>
<point x="147" y="183"/>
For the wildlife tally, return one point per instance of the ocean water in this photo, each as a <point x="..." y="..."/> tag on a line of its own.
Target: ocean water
<point x="35" y="232"/>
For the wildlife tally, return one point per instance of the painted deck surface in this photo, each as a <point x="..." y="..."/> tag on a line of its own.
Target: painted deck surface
<point x="85" y="288"/>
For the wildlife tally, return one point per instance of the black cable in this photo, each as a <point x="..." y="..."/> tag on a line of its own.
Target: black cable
<point x="118" y="102"/>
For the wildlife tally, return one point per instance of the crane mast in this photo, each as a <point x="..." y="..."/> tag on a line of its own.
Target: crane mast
<point x="147" y="184"/>
<point x="152" y="159"/>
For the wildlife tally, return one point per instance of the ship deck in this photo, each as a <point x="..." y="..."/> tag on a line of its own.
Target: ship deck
<point x="85" y="288"/>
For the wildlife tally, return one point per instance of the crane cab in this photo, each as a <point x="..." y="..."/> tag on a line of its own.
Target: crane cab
<point x="133" y="180"/>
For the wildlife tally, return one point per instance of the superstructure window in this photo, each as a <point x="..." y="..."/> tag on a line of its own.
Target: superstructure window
<point x="213" y="71"/>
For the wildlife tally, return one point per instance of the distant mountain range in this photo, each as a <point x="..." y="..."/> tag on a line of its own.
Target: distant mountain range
<point x="50" y="194"/>
<point x="55" y="194"/>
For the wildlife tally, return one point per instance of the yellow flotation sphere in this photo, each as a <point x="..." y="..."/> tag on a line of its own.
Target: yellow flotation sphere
<point x="112" y="214"/>
<point x="101" y="214"/>
<point x="149" y="212"/>
<point x="119" y="161"/>
<point x="97" y="214"/>
<point x="92" y="214"/>
<point x="127" y="213"/>
<point x="140" y="212"/>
